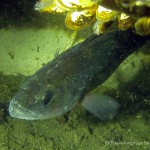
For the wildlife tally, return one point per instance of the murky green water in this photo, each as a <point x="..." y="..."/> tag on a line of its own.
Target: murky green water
<point x="22" y="54"/>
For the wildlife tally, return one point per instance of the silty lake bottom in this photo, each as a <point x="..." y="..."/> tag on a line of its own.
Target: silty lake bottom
<point x="27" y="42"/>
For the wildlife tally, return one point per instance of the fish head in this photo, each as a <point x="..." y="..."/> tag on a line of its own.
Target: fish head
<point x="39" y="100"/>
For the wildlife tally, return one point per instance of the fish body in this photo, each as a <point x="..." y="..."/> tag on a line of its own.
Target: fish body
<point x="61" y="83"/>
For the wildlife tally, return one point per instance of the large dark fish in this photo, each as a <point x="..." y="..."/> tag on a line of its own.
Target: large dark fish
<point x="60" y="84"/>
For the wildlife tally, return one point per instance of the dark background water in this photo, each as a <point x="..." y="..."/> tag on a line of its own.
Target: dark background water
<point x="15" y="12"/>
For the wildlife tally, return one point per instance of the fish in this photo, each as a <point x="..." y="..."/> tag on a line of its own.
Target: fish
<point x="66" y="80"/>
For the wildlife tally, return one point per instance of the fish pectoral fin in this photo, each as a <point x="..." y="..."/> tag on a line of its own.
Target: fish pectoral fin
<point x="101" y="106"/>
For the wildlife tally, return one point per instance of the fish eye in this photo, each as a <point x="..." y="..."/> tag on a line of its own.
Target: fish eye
<point x="47" y="98"/>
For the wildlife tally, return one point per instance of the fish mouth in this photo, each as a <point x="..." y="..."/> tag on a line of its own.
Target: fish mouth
<point x="17" y="111"/>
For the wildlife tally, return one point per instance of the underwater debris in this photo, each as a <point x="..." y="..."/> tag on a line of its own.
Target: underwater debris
<point x="82" y="13"/>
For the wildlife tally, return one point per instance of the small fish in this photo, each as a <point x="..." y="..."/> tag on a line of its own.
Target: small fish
<point x="55" y="88"/>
